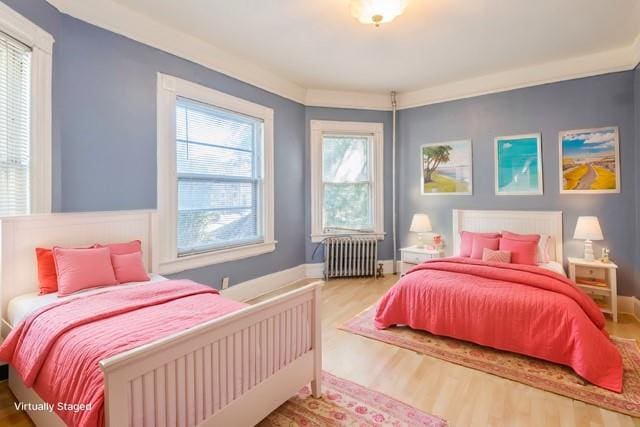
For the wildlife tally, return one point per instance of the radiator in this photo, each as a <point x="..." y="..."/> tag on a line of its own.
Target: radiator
<point x="350" y="257"/>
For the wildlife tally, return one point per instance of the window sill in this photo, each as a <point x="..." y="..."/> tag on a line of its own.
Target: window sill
<point x="217" y="257"/>
<point x="317" y="238"/>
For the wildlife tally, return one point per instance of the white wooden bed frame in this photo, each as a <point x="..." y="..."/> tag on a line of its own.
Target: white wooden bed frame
<point x="233" y="370"/>
<point x="524" y="222"/>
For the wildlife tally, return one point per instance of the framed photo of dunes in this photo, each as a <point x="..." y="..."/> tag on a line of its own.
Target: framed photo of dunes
<point x="446" y="168"/>
<point x="590" y="161"/>
<point x="518" y="165"/>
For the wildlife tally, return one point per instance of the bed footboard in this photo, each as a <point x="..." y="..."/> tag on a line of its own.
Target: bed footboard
<point x="233" y="370"/>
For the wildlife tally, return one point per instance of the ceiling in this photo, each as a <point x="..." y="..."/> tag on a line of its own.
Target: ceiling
<point x="317" y="44"/>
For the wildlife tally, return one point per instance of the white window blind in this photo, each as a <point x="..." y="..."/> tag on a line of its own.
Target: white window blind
<point x="347" y="184"/>
<point x="219" y="172"/>
<point x="15" y="87"/>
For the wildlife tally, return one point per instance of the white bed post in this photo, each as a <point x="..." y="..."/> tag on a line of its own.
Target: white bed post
<point x="316" y="383"/>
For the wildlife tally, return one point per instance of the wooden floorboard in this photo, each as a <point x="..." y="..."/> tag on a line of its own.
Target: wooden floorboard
<point x="462" y="396"/>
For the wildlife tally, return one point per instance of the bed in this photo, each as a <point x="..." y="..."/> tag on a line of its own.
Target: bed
<point x="520" y="308"/>
<point x="233" y="369"/>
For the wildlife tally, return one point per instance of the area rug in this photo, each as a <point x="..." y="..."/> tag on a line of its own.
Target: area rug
<point x="534" y="372"/>
<point x="344" y="403"/>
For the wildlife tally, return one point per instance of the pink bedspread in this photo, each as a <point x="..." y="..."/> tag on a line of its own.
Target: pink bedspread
<point x="518" y="308"/>
<point x="56" y="350"/>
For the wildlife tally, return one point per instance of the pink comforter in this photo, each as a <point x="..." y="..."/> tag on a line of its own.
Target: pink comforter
<point x="56" y="350"/>
<point x="523" y="309"/>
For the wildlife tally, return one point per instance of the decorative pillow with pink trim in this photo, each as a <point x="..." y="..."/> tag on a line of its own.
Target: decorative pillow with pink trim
<point x="522" y="252"/>
<point x="79" y="269"/>
<point x="466" y="241"/>
<point x="490" y="255"/>
<point x="481" y="243"/>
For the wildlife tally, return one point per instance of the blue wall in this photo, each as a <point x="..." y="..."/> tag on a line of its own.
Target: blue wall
<point x="348" y="115"/>
<point x="636" y="102"/>
<point x="585" y="103"/>
<point x="104" y="138"/>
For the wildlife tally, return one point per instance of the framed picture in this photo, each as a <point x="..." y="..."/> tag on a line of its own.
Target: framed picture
<point x="518" y="165"/>
<point x="590" y="161"/>
<point x="447" y="168"/>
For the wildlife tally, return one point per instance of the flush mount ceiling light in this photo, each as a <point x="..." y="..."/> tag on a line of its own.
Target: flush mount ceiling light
<point x="377" y="11"/>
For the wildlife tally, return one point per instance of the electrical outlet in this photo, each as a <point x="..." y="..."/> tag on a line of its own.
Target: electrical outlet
<point x="225" y="282"/>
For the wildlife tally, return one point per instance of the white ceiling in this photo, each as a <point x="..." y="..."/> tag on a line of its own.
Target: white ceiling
<point x="317" y="44"/>
<point x="315" y="52"/>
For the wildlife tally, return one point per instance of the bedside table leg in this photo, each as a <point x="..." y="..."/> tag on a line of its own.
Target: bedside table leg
<point x="614" y="294"/>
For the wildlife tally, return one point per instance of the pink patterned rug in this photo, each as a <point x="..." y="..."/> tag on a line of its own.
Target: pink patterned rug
<point x="344" y="403"/>
<point x="534" y="372"/>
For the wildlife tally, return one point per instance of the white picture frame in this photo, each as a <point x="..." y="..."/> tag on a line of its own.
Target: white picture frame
<point x="500" y="174"/>
<point x="566" y="137"/>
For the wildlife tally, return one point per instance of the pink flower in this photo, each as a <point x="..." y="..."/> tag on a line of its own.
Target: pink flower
<point x="361" y="409"/>
<point x="339" y="415"/>
<point x="379" y="418"/>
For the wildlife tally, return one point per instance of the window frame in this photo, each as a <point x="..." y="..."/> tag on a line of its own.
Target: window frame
<point x="41" y="44"/>
<point x="320" y="128"/>
<point x="169" y="88"/>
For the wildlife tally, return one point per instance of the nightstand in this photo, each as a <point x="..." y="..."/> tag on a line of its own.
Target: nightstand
<point x="412" y="256"/>
<point x="598" y="280"/>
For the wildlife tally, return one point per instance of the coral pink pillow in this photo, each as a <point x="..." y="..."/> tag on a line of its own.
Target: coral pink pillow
<point x="79" y="269"/>
<point x="522" y="252"/>
<point x="542" y="240"/>
<point x="123" y="248"/>
<point x="47" y="277"/>
<point x="129" y="268"/>
<point x="496" y="256"/>
<point x="466" y="241"/>
<point x="481" y="243"/>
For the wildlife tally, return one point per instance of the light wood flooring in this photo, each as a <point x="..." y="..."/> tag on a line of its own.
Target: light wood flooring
<point x="462" y="396"/>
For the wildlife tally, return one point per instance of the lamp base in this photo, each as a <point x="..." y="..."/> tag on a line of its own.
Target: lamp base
<point x="420" y="244"/>
<point x="588" y="251"/>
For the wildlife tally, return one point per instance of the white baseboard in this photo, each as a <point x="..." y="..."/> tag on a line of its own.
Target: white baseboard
<point x="263" y="285"/>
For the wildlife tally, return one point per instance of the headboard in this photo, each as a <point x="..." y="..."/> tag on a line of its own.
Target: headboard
<point x="20" y="235"/>
<point x="524" y="222"/>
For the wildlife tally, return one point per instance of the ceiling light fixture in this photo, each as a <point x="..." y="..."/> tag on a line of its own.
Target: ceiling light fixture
<point x="377" y="11"/>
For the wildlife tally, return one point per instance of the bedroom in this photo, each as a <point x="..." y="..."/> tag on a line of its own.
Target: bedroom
<point x="227" y="152"/>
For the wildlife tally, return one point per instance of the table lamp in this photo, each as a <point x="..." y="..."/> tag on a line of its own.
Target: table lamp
<point x="588" y="229"/>
<point x="420" y="224"/>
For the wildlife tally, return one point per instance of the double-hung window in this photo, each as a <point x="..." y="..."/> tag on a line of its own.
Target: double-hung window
<point x="347" y="184"/>
<point x="25" y="115"/>
<point x="220" y="148"/>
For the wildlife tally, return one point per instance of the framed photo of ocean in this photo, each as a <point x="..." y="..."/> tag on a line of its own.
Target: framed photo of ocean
<point x="590" y="161"/>
<point x="446" y="168"/>
<point x="518" y="165"/>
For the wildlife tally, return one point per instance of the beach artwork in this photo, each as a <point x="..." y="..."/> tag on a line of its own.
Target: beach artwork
<point x="590" y="161"/>
<point x="446" y="168"/>
<point x="518" y="165"/>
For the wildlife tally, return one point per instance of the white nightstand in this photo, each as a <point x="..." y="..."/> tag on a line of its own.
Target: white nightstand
<point x="412" y="256"/>
<point x="598" y="280"/>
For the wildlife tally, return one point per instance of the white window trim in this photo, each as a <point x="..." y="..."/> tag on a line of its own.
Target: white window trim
<point x="41" y="44"/>
<point x="169" y="88"/>
<point x="318" y="129"/>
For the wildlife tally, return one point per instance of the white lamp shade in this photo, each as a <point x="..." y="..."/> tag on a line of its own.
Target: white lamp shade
<point x="420" y="223"/>
<point x="588" y="228"/>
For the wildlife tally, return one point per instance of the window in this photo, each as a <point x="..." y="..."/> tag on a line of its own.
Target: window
<point x="25" y="115"/>
<point x="15" y="70"/>
<point x="218" y="156"/>
<point x="347" y="192"/>
<point x="218" y="204"/>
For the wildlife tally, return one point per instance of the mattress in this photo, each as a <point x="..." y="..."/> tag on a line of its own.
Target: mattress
<point x="23" y="305"/>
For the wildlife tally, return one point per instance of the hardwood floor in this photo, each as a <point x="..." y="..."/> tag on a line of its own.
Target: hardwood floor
<point x="462" y="396"/>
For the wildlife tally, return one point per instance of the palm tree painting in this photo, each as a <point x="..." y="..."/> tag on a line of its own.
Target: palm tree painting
<point x="446" y="168"/>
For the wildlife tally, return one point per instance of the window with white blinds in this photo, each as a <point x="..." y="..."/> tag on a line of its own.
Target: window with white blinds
<point x="219" y="173"/>
<point x="15" y="101"/>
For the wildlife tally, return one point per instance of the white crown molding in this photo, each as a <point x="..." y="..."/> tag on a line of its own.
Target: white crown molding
<point x="114" y="17"/>
<point x="119" y="19"/>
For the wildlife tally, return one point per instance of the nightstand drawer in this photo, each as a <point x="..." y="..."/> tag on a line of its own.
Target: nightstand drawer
<point x="414" y="258"/>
